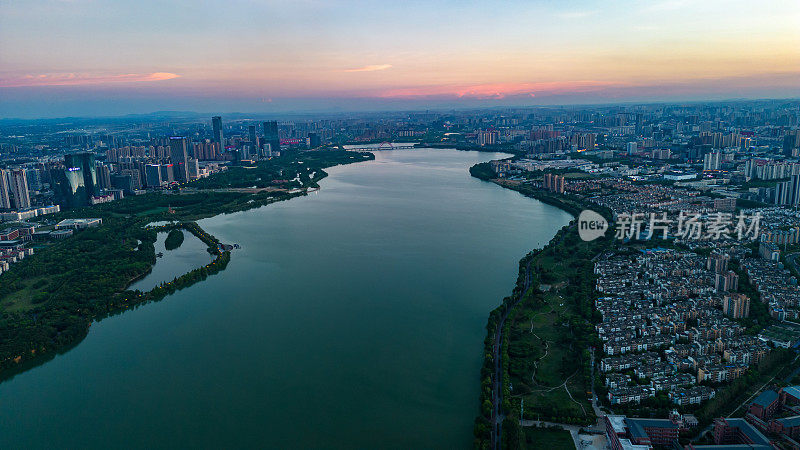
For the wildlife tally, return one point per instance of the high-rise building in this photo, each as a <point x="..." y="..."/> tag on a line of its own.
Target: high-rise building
<point x="736" y="305"/>
<point x="553" y="183"/>
<point x="718" y="262"/>
<point x="788" y="192"/>
<point x="178" y="146"/>
<point x="69" y="188"/>
<point x="712" y="161"/>
<point x="216" y="123"/>
<point x="488" y="137"/>
<point x="271" y="136"/>
<point x="18" y="184"/>
<point x="34" y="179"/>
<point x="84" y="162"/>
<point x="251" y="133"/>
<point x="791" y="141"/>
<point x="128" y="180"/>
<point x="194" y="168"/>
<point x="152" y="174"/>
<point x="314" y="140"/>
<point x="633" y="147"/>
<point x="724" y="282"/>
<point x="5" y="193"/>
<point x="103" y="176"/>
<point x="167" y="174"/>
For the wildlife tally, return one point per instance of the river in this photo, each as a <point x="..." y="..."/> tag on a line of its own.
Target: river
<point x="350" y="318"/>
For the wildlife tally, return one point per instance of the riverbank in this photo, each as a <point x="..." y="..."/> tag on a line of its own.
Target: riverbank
<point x="537" y="335"/>
<point x="49" y="301"/>
<point x="333" y="300"/>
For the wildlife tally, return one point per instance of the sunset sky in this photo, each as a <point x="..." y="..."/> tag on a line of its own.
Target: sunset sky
<point x="94" y="57"/>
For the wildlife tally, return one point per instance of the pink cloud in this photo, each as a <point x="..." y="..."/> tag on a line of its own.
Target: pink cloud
<point x="370" y="68"/>
<point x="79" y="79"/>
<point x="497" y="90"/>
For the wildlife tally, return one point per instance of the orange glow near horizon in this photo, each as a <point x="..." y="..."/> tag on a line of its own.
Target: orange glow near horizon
<point x="498" y="90"/>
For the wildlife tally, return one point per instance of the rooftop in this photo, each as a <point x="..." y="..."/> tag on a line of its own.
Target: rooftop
<point x="766" y="398"/>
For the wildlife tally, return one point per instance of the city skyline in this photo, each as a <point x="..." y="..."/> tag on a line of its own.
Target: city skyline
<point x="82" y="57"/>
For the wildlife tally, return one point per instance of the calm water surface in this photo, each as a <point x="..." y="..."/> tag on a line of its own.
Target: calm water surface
<point x="193" y="253"/>
<point x="351" y="318"/>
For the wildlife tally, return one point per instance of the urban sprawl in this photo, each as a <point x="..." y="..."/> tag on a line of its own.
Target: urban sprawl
<point x="681" y="315"/>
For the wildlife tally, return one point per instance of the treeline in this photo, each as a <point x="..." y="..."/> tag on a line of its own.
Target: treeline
<point x="497" y="148"/>
<point x="483" y="426"/>
<point x="483" y="171"/>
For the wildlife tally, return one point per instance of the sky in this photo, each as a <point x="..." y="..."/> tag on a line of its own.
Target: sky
<point x="91" y="57"/>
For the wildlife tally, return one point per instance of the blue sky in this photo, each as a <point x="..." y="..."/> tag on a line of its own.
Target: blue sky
<point x="91" y="57"/>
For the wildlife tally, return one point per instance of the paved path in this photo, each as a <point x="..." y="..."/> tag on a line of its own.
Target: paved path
<point x="497" y="397"/>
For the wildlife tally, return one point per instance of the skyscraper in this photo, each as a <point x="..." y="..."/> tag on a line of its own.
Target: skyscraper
<point x="167" y="174"/>
<point x="5" y="198"/>
<point x="314" y="140"/>
<point x="271" y="136"/>
<point x="34" y="179"/>
<point x="68" y="185"/>
<point x="251" y="131"/>
<point x="19" y="189"/>
<point x="791" y="141"/>
<point x="152" y="175"/>
<point x="103" y="176"/>
<point x="712" y="161"/>
<point x="88" y="170"/>
<point x="178" y="151"/>
<point x="216" y="123"/>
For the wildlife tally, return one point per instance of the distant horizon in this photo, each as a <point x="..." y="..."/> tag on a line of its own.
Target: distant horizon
<point x="186" y="113"/>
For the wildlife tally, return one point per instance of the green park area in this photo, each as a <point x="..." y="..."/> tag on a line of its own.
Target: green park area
<point x="49" y="299"/>
<point x="550" y="332"/>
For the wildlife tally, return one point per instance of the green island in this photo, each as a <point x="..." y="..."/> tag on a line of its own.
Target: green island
<point x="49" y="300"/>
<point x="174" y="239"/>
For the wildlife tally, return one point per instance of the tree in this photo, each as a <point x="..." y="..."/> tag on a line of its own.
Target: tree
<point x="512" y="433"/>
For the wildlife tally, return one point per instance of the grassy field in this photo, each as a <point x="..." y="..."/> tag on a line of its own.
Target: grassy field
<point x="550" y="332"/>
<point x="539" y="438"/>
<point x="23" y="299"/>
<point x="544" y="363"/>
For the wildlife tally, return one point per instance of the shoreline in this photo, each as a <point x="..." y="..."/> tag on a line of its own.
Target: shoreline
<point x="35" y="354"/>
<point x="490" y="429"/>
<point x="495" y="385"/>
